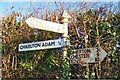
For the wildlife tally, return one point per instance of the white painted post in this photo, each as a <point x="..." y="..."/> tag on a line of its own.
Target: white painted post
<point x="66" y="17"/>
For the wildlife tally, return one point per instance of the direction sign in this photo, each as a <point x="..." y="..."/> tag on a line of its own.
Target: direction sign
<point x="45" y="25"/>
<point x="41" y="45"/>
<point x="86" y="55"/>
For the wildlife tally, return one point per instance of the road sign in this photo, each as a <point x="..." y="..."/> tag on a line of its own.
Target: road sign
<point x="41" y="45"/>
<point x="45" y="25"/>
<point x="86" y="55"/>
<point x="50" y="26"/>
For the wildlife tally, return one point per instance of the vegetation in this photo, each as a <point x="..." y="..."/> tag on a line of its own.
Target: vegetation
<point x="100" y="26"/>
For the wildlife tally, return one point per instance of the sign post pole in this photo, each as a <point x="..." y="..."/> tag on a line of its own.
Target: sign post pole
<point x="66" y="17"/>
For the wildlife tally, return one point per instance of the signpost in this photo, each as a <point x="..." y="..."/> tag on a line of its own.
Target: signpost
<point x="86" y="55"/>
<point x="42" y="45"/>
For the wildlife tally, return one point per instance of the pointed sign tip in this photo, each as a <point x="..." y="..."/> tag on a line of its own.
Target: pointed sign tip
<point x="66" y="15"/>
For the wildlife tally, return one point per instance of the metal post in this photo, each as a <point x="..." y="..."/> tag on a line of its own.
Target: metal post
<point x="66" y="17"/>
